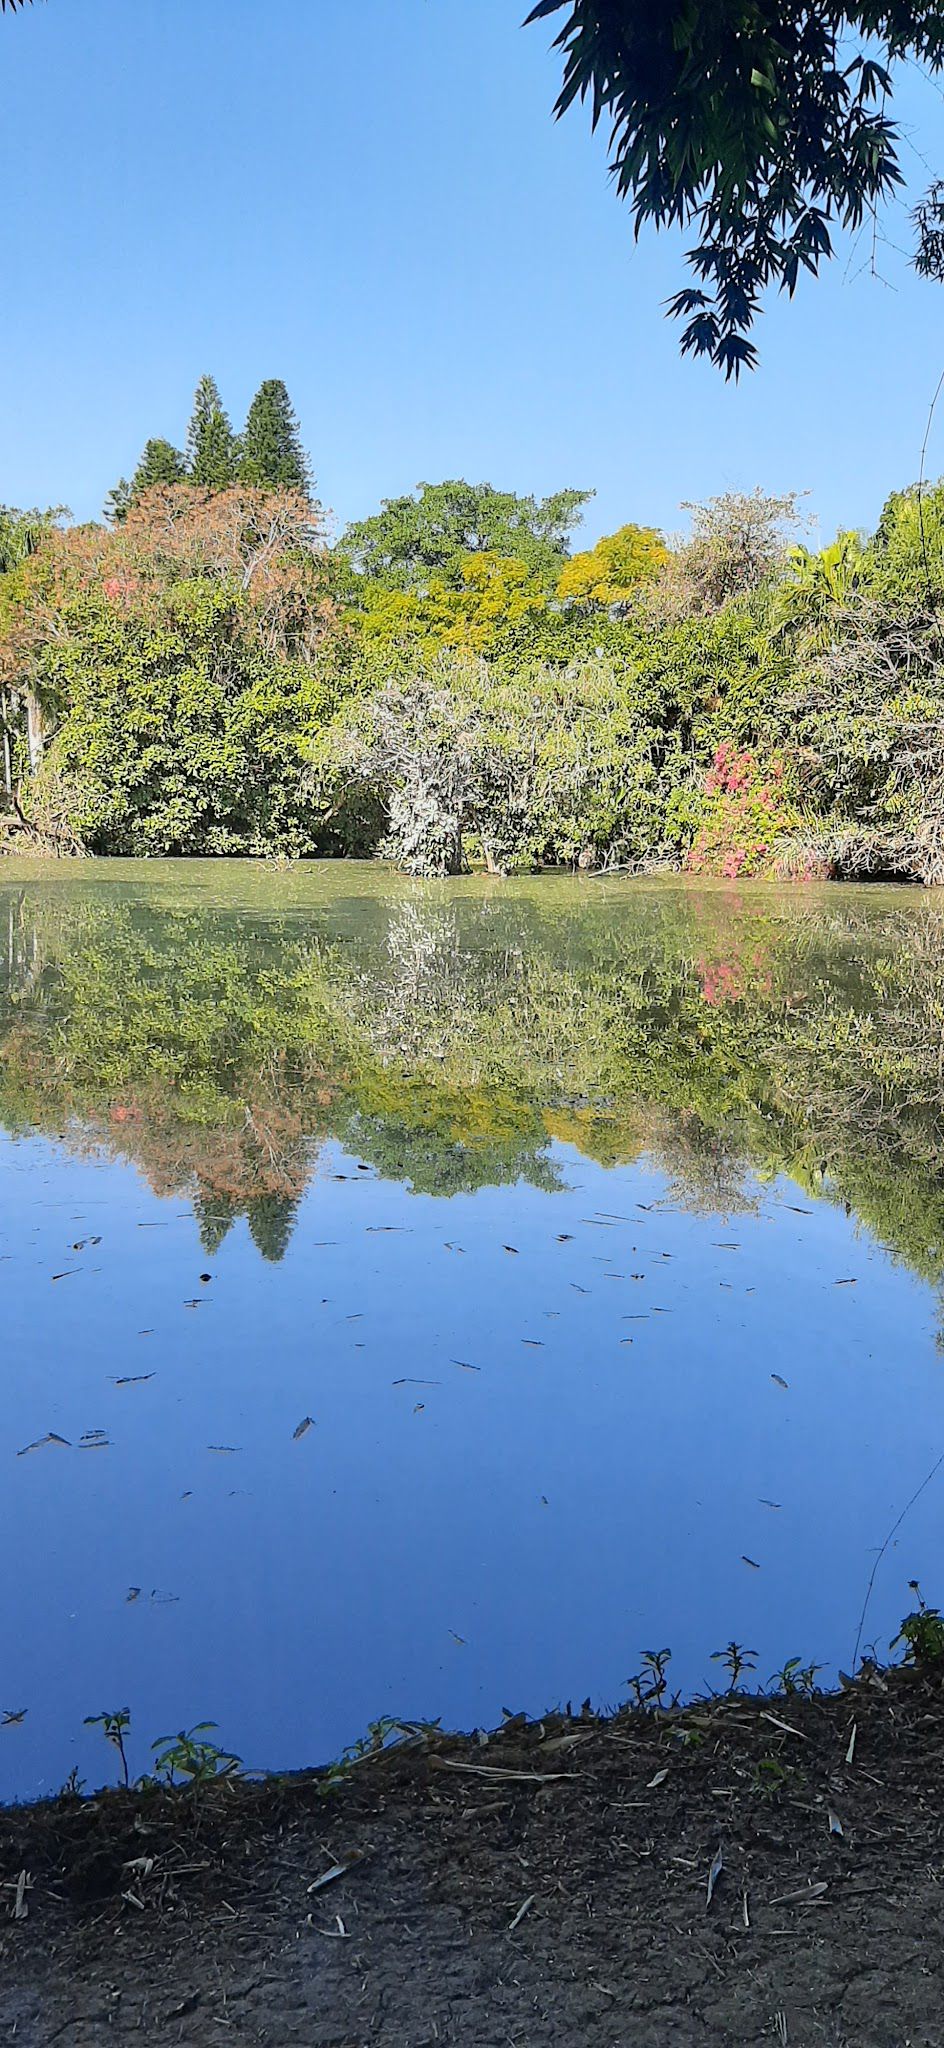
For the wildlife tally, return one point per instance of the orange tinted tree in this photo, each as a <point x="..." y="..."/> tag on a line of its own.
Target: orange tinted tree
<point x="171" y="672"/>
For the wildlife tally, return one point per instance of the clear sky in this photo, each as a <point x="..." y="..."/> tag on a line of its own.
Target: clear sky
<point x="369" y="198"/>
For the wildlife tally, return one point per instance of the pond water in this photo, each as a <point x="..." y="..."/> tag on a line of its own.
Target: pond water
<point x="424" y="1299"/>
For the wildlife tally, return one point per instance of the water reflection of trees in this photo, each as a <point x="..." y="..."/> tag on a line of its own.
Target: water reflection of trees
<point x="449" y="1038"/>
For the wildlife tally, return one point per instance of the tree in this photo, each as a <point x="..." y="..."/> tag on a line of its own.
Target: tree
<point x="496" y="594"/>
<point x="115" y="509"/>
<point x="22" y="533"/>
<point x="818" y="590"/>
<point x="739" y="542"/>
<point x="161" y="463"/>
<point x="272" y="453"/>
<point x="611" y="572"/>
<point x="761" y="124"/>
<point x="171" y="668"/>
<point x="413" y="540"/>
<point x="541" y="766"/>
<point x="21" y="536"/>
<point x="212" y="447"/>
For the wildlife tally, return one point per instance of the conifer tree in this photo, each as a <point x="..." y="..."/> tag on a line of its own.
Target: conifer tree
<point x="117" y="502"/>
<point x="161" y="463"/>
<point x="212" y="447"/>
<point x="272" y="453"/>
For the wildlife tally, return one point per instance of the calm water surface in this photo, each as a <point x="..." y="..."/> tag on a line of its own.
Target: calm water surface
<point x="447" y="1292"/>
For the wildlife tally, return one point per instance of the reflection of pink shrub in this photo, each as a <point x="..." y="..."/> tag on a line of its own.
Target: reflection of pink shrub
<point x="744" y="811"/>
<point x="726" y="981"/>
<point x="719" y="982"/>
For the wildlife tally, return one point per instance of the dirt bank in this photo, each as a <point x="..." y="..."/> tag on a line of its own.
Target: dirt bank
<point x="548" y="1886"/>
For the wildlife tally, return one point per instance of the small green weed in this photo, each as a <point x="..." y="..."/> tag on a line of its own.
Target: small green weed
<point x="795" y="1678"/>
<point x="770" y="1775"/>
<point x="114" y="1727"/>
<point x="649" y="1686"/>
<point x="736" y="1660"/>
<point x="382" y="1734"/>
<point x="922" y="1632"/>
<point x="690" y="1738"/>
<point x="189" y="1757"/>
<point x="192" y="1758"/>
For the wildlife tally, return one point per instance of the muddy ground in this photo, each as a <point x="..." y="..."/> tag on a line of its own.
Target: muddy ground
<point x="549" y="1885"/>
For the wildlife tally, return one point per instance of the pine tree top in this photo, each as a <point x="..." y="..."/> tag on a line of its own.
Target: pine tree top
<point x="272" y="453"/>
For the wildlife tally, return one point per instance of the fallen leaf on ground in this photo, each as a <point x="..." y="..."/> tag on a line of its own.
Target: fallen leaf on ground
<point x="330" y="1876"/>
<point x="801" y="1898"/>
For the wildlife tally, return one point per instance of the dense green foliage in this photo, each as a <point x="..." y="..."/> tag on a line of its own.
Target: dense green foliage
<point x="413" y="541"/>
<point x="182" y="735"/>
<point x="762" y="124"/>
<point x="454" y="685"/>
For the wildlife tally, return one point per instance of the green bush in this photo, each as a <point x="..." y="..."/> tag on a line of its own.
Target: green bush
<point x="179" y="735"/>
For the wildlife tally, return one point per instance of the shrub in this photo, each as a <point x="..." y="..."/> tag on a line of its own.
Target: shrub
<point x="744" y="811"/>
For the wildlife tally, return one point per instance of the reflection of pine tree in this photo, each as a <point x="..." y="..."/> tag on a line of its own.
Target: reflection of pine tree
<point x="271" y="1220"/>
<point x="215" y="1214"/>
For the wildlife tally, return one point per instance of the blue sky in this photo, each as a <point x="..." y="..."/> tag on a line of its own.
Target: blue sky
<point x="370" y="199"/>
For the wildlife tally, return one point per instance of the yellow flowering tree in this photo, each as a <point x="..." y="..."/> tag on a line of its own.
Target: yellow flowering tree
<point x="496" y="591"/>
<point x="611" y="572"/>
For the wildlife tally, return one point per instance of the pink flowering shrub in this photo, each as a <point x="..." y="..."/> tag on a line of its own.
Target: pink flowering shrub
<point x="745" y="809"/>
<point x="121" y="588"/>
